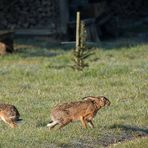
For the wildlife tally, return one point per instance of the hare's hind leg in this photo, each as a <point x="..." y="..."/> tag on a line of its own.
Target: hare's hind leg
<point x="9" y="121"/>
<point x="64" y="124"/>
<point x="83" y="121"/>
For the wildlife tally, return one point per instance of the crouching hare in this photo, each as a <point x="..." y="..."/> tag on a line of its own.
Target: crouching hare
<point x="9" y="114"/>
<point x="84" y="111"/>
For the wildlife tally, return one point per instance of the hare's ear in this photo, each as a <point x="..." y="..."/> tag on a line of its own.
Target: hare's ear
<point x="87" y="98"/>
<point x="102" y="98"/>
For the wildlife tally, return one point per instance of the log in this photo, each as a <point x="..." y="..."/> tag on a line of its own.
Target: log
<point x="6" y="42"/>
<point x="2" y="48"/>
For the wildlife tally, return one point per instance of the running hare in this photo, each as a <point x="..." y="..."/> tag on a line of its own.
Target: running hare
<point x="84" y="111"/>
<point x="9" y="114"/>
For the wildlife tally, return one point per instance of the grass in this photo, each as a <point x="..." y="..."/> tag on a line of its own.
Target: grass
<point x="36" y="78"/>
<point x="136" y="143"/>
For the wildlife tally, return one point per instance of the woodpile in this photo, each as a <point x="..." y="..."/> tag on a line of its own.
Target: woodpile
<point x="27" y="14"/>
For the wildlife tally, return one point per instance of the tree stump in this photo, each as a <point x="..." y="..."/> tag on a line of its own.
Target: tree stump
<point x="6" y="42"/>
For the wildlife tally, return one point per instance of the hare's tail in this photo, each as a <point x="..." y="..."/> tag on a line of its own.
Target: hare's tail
<point x="19" y="120"/>
<point x="52" y="124"/>
<point x="50" y="121"/>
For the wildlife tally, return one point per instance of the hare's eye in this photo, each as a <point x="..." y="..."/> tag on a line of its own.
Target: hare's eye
<point x="102" y="99"/>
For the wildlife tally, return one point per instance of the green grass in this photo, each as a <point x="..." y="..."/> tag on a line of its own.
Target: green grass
<point x="136" y="143"/>
<point x="35" y="79"/>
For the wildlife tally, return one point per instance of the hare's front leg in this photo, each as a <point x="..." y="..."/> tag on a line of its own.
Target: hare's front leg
<point x="64" y="123"/>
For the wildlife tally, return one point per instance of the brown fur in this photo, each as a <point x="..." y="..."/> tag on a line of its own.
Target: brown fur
<point x="84" y="111"/>
<point x="9" y="114"/>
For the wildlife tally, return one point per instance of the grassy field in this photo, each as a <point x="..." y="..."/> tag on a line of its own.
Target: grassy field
<point x="37" y="77"/>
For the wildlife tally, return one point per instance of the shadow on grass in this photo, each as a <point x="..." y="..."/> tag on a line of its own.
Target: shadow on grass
<point x="79" y="143"/>
<point x="42" y="124"/>
<point x="129" y="128"/>
<point x="58" y="67"/>
<point x="128" y="132"/>
<point x="37" y="48"/>
<point x="25" y="52"/>
<point x="121" y="43"/>
<point x="30" y="47"/>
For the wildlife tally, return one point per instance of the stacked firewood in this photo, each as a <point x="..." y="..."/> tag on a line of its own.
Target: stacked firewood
<point x="27" y="14"/>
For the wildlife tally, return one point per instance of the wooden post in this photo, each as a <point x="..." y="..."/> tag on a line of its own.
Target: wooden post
<point x="78" y="31"/>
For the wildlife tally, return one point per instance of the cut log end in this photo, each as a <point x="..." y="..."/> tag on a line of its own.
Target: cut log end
<point x="6" y="42"/>
<point x="3" y="48"/>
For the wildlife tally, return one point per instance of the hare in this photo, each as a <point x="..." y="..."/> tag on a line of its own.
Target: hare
<point x="84" y="111"/>
<point x="9" y="114"/>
